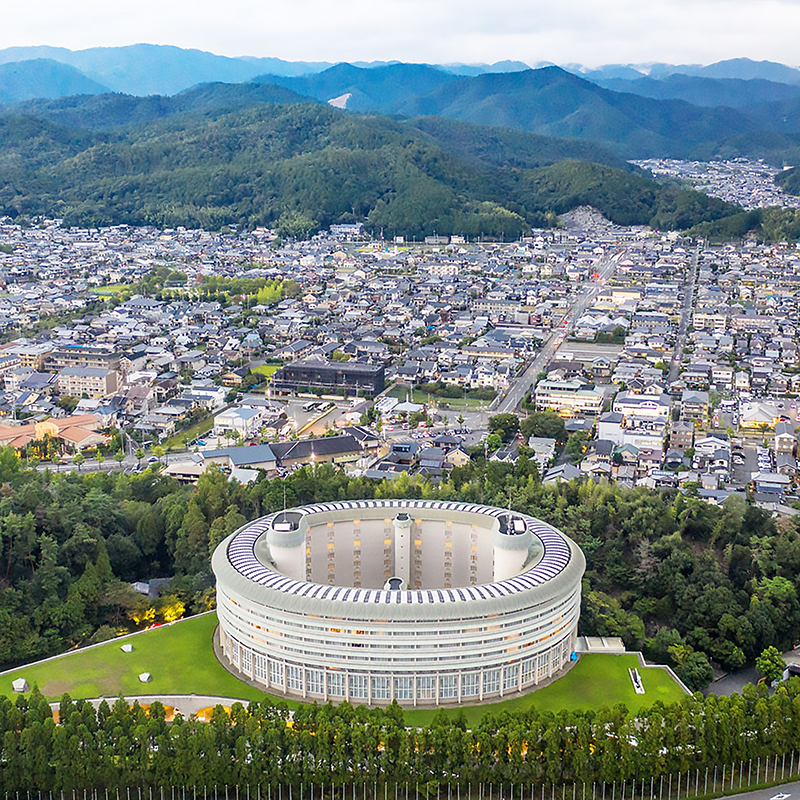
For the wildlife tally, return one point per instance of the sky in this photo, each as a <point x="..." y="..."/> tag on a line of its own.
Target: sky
<point x="590" y="32"/>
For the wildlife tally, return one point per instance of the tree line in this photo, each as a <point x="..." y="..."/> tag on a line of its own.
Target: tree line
<point x="266" y="744"/>
<point x="685" y="581"/>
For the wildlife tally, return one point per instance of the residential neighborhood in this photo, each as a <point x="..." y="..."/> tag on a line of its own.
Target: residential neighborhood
<point x="672" y="363"/>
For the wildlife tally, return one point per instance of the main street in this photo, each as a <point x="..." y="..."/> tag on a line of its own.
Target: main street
<point x="583" y="299"/>
<point x="686" y="313"/>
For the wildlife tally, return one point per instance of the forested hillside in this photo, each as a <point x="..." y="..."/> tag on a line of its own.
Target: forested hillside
<point x="301" y="167"/>
<point x="681" y="579"/>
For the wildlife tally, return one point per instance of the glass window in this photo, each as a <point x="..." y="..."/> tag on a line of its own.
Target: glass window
<point x="314" y="681"/>
<point x="448" y="686"/>
<point x="470" y="684"/>
<point x="276" y="672"/>
<point x="358" y="686"/>
<point x="491" y="681"/>
<point x="510" y="677"/>
<point x="260" y="666"/>
<point x="381" y="687"/>
<point x="404" y="688"/>
<point x="336" y="684"/>
<point x="294" y="677"/>
<point x="247" y="659"/>
<point x="426" y="687"/>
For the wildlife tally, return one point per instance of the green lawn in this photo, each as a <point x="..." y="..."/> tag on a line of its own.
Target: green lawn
<point x="267" y="370"/>
<point x="454" y="403"/>
<point x="110" y="289"/>
<point x="181" y="661"/>
<point x="179" y="657"/>
<point x="595" y="681"/>
<point x="175" y="442"/>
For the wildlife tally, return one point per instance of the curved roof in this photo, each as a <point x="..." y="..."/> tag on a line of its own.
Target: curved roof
<point x="235" y="560"/>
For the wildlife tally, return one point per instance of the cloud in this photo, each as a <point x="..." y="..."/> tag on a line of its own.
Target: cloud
<point x="586" y="31"/>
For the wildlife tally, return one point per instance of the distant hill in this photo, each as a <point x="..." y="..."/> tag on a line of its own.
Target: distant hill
<point x="505" y="147"/>
<point x="554" y="102"/>
<point x="738" y="68"/>
<point x="789" y="181"/>
<point x="383" y="89"/>
<point x="304" y="166"/>
<point x="144" y="69"/>
<point x="732" y="92"/>
<point x="105" y="111"/>
<point x="42" y="77"/>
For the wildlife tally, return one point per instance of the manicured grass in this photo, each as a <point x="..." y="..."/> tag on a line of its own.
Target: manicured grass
<point x="267" y="370"/>
<point x="181" y="660"/>
<point x="595" y="681"/>
<point x="175" y="442"/>
<point x="454" y="403"/>
<point x="110" y="289"/>
<point x="179" y="657"/>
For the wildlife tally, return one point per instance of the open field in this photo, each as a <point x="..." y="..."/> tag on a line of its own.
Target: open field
<point x="267" y="370"/>
<point x="110" y="289"/>
<point x="595" y="681"/>
<point x="179" y="657"/>
<point x="176" y="441"/>
<point x="181" y="661"/>
<point x="454" y="403"/>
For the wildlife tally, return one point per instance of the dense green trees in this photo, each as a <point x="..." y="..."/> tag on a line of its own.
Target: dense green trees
<point x="669" y="573"/>
<point x="301" y="167"/>
<point x="264" y="745"/>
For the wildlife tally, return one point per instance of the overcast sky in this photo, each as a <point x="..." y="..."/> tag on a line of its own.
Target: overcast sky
<point x="591" y="32"/>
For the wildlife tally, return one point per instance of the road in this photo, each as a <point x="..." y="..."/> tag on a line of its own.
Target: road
<point x="788" y="791"/>
<point x="686" y="313"/>
<point x="522" y="385"/>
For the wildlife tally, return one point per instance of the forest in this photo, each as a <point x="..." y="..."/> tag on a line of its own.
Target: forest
<point x="266" y="746"/>
<point x="685" y="581"/>
<point x="302" y="167"/>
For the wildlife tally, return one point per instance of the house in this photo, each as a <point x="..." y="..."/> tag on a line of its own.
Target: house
<point x="563" y="472"/>
<point x="681" y="435"/>
<point x="569" y="397"/>
<point x="257" y="457"/>
<point x="785" y="440"/>
<point x="642" y="405"/>
<point x="457" y="457"/>
<point x="246" y="422"/>
<point x="544" y="449"/>
<point x="694" y="405"/>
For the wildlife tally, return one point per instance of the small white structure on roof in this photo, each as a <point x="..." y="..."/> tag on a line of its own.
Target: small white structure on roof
<point x="19" y="685"/>
<point x="127" y="648"/>
<point x="145" y="677"/>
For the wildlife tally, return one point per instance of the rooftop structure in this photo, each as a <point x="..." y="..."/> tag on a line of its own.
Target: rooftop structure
<point x="421" y="602"/>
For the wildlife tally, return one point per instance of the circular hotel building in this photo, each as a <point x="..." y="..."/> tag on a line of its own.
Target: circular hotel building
<point x="416" y="601"/>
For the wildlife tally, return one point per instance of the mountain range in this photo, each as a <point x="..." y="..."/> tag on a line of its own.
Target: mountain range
<point x="114" y="135"/>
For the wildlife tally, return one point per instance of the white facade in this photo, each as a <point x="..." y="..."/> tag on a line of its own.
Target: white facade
<point x="417" y="601"/>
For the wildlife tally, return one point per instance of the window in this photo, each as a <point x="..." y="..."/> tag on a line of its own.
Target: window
<point x="448" y="686"/>
<point x="470" y="684"/>
<point x="276" y="672"/>
<point x="544" y="661"/>
<point x="491" y="681"/>
<point x="336" y="684"/>
<point x="510" y="677"/>
<point x="426" y="687"/>
<point x="247" y="659"/>
<point x="260" y="666"/>
<point x="403" y="688"/>
<point x="314" y="683"/>
<point x="528" y="669"/>
<point x="358" y="686"/>
<point x="294" y="677"/>
<point x="380" y="687"/>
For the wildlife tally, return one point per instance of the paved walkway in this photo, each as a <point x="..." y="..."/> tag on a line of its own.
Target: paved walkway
<point x="186" y="704"/>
